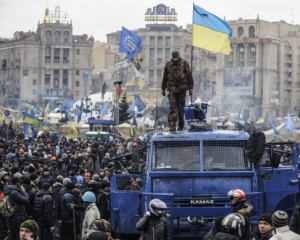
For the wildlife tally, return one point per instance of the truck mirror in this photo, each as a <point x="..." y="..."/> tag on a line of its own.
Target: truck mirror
<point x="275" y="160"/>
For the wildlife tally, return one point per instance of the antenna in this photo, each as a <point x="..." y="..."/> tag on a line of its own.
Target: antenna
<point x="292" y="14"/>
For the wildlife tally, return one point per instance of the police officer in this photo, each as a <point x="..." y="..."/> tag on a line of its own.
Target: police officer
<point x="177" y="78"/>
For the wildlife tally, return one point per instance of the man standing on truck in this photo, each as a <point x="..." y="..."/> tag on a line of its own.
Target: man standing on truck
<point x="177" y="79"/>
<point x="237" y="200"/>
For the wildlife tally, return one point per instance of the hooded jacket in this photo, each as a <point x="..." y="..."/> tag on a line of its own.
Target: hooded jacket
<point x="56" y="189"/>
<point x="225" y="236"/>
<point x="91" y="214"/>
<point x="43" y="207"/>
<point x="153" y="227"/>
<point x="67" y="198"/>
<point x="18" y="200"/>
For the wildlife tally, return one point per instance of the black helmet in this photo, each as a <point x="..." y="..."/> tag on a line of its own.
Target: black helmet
<point x="234" y="223"/>
<point x="92" y="182"/>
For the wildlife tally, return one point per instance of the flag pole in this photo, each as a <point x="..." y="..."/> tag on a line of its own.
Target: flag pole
<point x="192" y="52"/>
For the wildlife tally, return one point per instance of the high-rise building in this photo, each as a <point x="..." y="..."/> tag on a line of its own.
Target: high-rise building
<point x="262" y="72"/>
<point x="45" y="65"/>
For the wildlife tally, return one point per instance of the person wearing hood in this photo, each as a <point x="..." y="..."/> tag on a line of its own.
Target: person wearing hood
<point x="68" y="201"/>
<point x="18" y="198"/>
<point x="73" y="177"/>
<point x="44" y="212"/>
<point x="57" y="151"/>
<point x="102" y="176"/>
<point x="53" y="169"/>
<point x="177" y="79"/>
<point x="35" y="179"/>
<point x="6" y="167"/>
<point x="91" y="212"/>
<point x="3" y="180"/>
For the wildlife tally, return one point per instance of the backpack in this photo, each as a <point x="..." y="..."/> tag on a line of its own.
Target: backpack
<point x="256" y="146"/>
<point x="6" y="209"/>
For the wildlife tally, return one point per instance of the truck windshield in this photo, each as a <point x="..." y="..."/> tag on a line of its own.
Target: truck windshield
<point x="185" y="156"/>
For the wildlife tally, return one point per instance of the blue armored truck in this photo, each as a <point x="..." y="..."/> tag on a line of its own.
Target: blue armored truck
<point x="192" y="172"/>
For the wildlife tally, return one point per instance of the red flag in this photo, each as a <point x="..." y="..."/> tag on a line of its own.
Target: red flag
<point x="119" y="91"/>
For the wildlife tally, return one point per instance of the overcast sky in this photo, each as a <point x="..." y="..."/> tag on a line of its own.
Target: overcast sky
<point x="99" y="17"/>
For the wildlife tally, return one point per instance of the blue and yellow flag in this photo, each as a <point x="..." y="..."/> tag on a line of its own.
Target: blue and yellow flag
<point x="210" y="32"/>
<point x="48" y="108"/>
<point x="30" y="119"/>
<point x="2" y="116"/>
<point x="46" y="126"/>
<point x="29" y="105"/>
<point x="27" y="130"/>
<point x="261" y="120"/>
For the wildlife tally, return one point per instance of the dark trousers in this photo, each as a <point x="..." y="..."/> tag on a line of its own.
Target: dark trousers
<point x="67" y="231"/>
<point x="14" y="229"/>
<point x="177" y="103"/>
<point x="3" y="228"/>
<point x="44" y="233"/>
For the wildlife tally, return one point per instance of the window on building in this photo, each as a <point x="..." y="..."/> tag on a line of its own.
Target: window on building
<point x="33" y="92"/>
<point x="35" y="49"/>
<point x="159" y="52"/>
<point x="298" y="76"/>
<point x="48" y="51"/>
<point x="76" y="93"/>
<point x="34" y="82"/>
<point x="298" y="57"/>
<point x="77" y="62"/>
<point x="251" y="33"/>
<point x="47" y="81"/>
<point x="159" y="62"/>
<point x="177" y="41"/>
<point x="168" y="52"/>
<point x="47" y="71"/>
<point x="77" y="72"/>
<point x="151" y="63"/>
<point x="152" y="40"/>
<point x="240" y="32"/>
<point x="168" y="40"/>
<point x="78" y="51"/>
<point x="77" y="83"/>
<point x="34" y="71"/>
<point x="160" y="40"/>
<point x="298" y="67"/>
<point x="66" y="37"/>
<point x="152" y="51"/>
<point x="151" y="73"/>
<point x="34" y="60"/>
<point x="56" y="39"/>
<point x="159" y="73"/>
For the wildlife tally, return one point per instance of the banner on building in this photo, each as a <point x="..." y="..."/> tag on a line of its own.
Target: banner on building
<point x="238" y="81"/>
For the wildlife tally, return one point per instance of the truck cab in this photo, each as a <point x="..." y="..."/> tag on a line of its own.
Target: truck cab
<point x="192" y="172"/>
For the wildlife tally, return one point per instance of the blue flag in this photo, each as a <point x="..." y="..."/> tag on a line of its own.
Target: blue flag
<point x="130" y="43"/>
<point x="104" y="110"/>
<point x="78" y="113"/>
<point x="139" y="103"/>
<point x="289" y="124"/>
<point x="67" y="104"/>
<point x="27" y="130"/>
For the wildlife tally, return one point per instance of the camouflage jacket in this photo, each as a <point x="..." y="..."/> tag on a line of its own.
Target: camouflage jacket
<point x="177" y="76"/>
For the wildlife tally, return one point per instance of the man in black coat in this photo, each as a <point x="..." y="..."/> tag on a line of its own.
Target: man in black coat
<point x="31" y="195"/>
<point x="18" y="198"/>
<point x="44" y="212"/>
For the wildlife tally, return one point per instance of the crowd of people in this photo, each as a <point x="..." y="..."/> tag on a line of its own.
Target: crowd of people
<point x="59" y="189"/>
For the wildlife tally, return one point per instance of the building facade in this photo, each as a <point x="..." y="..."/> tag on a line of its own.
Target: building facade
<point x="45" y="65"/>
<point x="262" y="72"/>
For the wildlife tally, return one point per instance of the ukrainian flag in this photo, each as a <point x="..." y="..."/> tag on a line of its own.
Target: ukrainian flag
<point x="73" y="132"/>
<point x="29" y="105"/>
<point x="30" y="119"/>
<point x="210" y="32"/>
<point x="261" y="120"/>
<point x="46" y="126"/>
<point x="27" y="130"/>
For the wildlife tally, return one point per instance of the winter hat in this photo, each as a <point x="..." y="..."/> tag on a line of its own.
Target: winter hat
<point x="69" y="186"/>
<point x="31" y="226"/>
<point x="33" y="177"/>
<point x="279" y="219"/>
<point x="31" y="169"/>
<point x="66" y="180"/>
<point x="25" y="171"/>
<point x="26" y="180"/>
<point x="46" y="186"/>
<point x="110" y="164"/>
<point x="267" y="217"/>
<point x="72" y="173"/>
<point x="59" y="178"/>
<point x="100" y="225"/>
<point x="14" y="170"/>
<point x="96" y="177"/>
<point x="45" y="170"/>
<point x="103" y="185"/>
<point x="218" y="223"/>
<point x="81" y="171"/>
<point x="107" y="155"/>
<point x="15" y="180"/>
